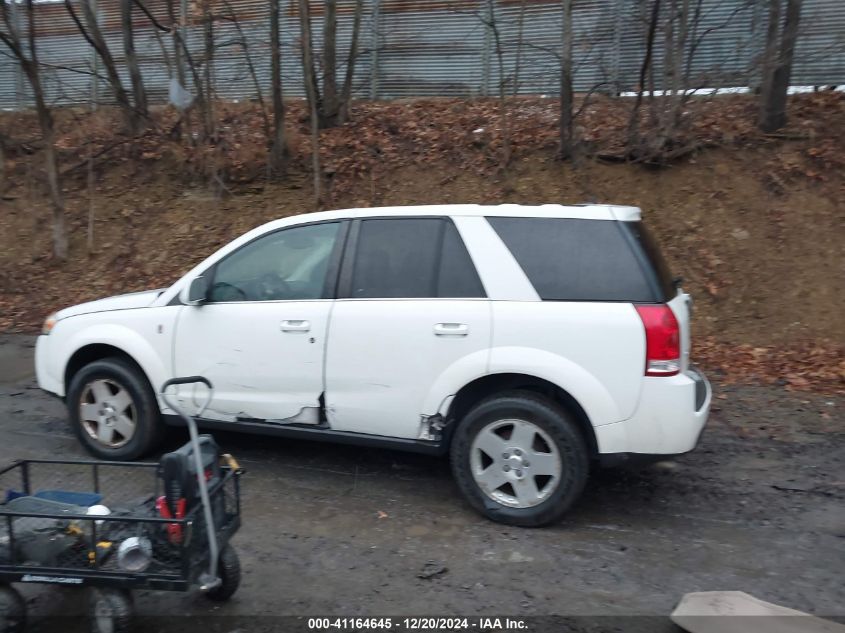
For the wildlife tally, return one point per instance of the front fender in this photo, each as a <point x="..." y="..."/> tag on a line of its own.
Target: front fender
<point x="121" y="337"/>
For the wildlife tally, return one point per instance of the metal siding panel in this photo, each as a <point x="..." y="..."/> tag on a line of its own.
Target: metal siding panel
<point x="435" y="47"/>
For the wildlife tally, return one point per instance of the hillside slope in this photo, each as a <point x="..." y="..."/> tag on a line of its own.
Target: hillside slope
<point x="755" y="228"/>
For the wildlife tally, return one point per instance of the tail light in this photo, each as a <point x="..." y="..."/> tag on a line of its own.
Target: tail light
<point x="662" y="340"/>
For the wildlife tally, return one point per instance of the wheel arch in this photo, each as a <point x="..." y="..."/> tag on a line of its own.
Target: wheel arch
<point x="93" y="352"/>
<point x="474" y="392"/>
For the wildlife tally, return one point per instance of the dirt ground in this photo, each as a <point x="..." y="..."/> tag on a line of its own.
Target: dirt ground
<point x="330" y="530"/>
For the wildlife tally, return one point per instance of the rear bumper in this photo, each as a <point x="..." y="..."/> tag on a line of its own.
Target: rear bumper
<point x="669" y="420"/>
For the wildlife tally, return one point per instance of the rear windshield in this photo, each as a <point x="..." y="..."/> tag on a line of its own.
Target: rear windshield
<point x="577" y="260"/>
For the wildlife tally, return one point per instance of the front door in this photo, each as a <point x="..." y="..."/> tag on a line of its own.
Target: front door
<point x="260" y="337"/>
<point x="410" y="307"/>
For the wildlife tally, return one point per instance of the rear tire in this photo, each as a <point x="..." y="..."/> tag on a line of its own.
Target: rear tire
<point x="105" y="424"/>
<point x="12" y="610"/>
<point x="520" y="459"/>
<point x="111" y="611"/>
<point x="229" y="571"/>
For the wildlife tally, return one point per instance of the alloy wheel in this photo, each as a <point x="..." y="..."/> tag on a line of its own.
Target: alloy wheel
<point x="515" y="463"/>
<point x="107" y="412"/>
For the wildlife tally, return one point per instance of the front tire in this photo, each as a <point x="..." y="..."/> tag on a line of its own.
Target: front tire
<point x="520" y="459"/>
<point x="113" y="410"/>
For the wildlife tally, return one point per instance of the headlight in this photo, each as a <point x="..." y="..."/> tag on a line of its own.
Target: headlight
<point x="49" y="324"/>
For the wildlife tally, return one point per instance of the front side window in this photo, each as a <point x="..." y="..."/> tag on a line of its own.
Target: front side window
<point x="406" y="258"/>
<point x="290" y="264"/>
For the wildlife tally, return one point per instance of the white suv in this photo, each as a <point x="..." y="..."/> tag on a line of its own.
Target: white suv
<point x="528" y="342"/>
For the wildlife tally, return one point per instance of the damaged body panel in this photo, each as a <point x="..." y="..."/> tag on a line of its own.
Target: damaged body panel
<point x="260" y="370"/>
<point x="390" y="362"/>
<point x="431" y="428"/>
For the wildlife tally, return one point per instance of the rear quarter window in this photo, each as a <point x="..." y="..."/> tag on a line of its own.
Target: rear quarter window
<point x="570" y="259"/>
<point x="645" y="240"/>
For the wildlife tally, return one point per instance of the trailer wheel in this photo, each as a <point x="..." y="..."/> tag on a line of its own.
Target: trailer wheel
<point x="111" y="611"/>
<point x="12" y="610"/>
<point x="229" y="570"/>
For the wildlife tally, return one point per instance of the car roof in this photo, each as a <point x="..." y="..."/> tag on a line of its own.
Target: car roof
<point x="578" y="211"/>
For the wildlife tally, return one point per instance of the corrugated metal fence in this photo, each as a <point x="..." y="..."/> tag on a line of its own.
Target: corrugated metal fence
<point x="412" y="48"/>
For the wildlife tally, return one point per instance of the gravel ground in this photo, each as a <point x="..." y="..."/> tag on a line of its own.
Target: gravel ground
<point x="332" y="530"/>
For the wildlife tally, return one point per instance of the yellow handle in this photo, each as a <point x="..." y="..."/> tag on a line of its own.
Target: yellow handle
<point x="232" y="463"/>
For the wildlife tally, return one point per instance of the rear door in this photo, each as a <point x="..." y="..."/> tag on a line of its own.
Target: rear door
<point x="410" y="305"/>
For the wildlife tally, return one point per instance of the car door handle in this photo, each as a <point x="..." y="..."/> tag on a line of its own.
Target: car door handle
<point x="296" y="325"/>
<point x="451" y="329"/>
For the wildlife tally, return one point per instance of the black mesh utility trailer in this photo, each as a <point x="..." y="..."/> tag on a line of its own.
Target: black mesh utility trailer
<point x="119" y="526"/>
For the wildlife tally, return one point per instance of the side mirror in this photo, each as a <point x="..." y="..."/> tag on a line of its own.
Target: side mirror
<point x="197" y="291"/>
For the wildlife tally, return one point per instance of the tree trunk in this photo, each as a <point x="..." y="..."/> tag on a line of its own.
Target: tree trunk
<point x="138" y="92"/>
<point x="645" y="68"/>
<point x="773" y="103"/>
<point x="346" y="92"/>
<point x="2" y="164"/>
<point x="176" y="40"/>
<point x="92" y="33"/>
<point x="315" y="156"/>
<point x="253" y="74"/>
<point x="309" y="72"/>
<point x="491" y="23"/>
<point x="45" y="121"/>
<point x="520" y="29"/>
<point x="329" y="113"/>
<point x="208" y="36"/>
<point x="279" y="148"/>
<point x="770" y="52"/>
<point x="566" y="93"/>
<point x="310" y="77"/>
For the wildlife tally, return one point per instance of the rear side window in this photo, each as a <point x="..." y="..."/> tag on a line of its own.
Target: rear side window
<point x="576" y="260"/>
<point x="404" y="258"/>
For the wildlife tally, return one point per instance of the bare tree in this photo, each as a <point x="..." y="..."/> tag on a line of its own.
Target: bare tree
<point x="504" y="122"/>
<point x="351" y="58"/>
<point x="2" y="163"/>
<point x="330" y="95"/>
<point x="777" y="66"/>
<point x="520" y="30"/>
<point x="312" y="94"/>
<point x="30" y="65"/>
<point x="244" y="42"/>
<point x="660" y="134"/>
<point x="566" y="93"/>
<point x="332" y="105"/>
<point x="645" y="67"/>
<point x="279" y="146"/>
<point x="178" y="45"/>
<point x="208" y="66"/>
<point x="182" y="52"/>
<point x="138" y="92"/>
<point x="90" y="30"/>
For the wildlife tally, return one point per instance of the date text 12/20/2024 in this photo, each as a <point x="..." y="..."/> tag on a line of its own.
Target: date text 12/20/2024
<point x="484" y="624"/>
